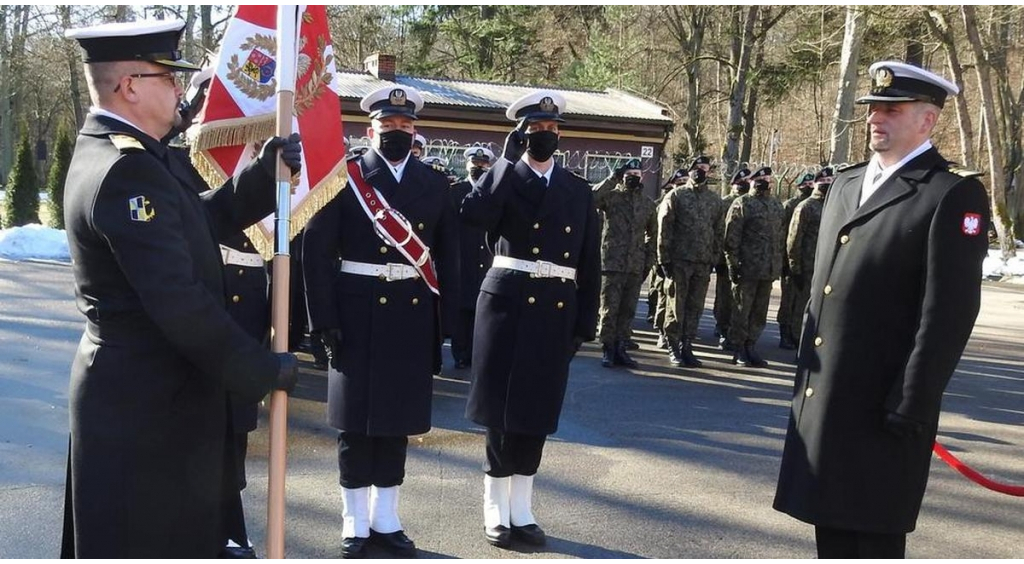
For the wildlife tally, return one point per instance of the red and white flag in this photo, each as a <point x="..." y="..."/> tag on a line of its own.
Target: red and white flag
<point x="239" y="112"/>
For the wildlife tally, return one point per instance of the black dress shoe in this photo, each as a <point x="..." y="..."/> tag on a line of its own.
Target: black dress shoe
<point x="397" y="543"/>
<point x="499" y="536"/>
<point x="530" y="534"/>
<point x="353" y="547"/>
<point x="237" y="552"/>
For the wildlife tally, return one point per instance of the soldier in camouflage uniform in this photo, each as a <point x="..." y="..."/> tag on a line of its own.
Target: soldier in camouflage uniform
<point x="690" y="232"/>
<point x="656" y="294"/>
<point x="723" y="286"/>
<point x="753" y="250"/>
<point x="787" y="314"/>
<point x="627" y="251"/>
<point x="802" y="242"/>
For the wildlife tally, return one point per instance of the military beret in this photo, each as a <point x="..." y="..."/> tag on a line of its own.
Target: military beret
<point x="536" y="106"/>
<point x="392" y="101"/>
<point x="824" y="173"/>
<point x="701" y="160"/>
<point x="741" y="175"/>
<point x="763" y="171"/>
<point x="892" y="81"/>
<point x="153" y="41"/>
<point x="806" y="179"/>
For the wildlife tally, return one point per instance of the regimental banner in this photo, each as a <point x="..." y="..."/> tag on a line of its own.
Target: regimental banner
<point x="239" y="113"/>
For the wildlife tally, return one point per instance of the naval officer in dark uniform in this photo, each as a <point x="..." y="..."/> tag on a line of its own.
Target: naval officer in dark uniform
<point x="383" y="310"/>
<point x="894" y="295"/>
<point x="475" y="256"/>
<point x="537" y="304"/>
<point x="147" y="399"/>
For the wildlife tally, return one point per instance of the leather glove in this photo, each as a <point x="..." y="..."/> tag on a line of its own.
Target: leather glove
<point x="288" y="373"/>
<point x="291" y="154"/>
<point x="903" y="427"/>
<point x="332" y="339"/>
<point x="515" y="144"/>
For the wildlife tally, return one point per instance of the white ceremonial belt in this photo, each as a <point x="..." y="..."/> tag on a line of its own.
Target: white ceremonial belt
<point x="390" y="271"/>
<point x="539" y="268"/>
<point x="231" y="256"/>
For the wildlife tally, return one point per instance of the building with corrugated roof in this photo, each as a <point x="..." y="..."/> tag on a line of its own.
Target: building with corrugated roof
<point x="602" y="128"/>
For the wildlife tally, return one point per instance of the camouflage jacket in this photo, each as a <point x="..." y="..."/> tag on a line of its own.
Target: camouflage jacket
<point x="803" y="235"/>
<point x="727" y="201"/>
<point x="755" y="237"/>
<point x="628" y="227"/>
<point x="690" y="226"/>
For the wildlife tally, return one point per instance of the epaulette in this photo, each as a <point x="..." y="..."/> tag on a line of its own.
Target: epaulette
<point x="126" y="143"/>
<point x="964" y="172"/>
<point x="846" y="167"/>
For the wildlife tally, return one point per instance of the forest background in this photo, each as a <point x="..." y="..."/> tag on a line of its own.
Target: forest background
<point x="745" y="84"/>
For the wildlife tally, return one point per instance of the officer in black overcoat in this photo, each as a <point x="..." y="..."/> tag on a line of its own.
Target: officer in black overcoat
<point x="474" y="256"/>
<point x="384" y="324"/>
<point x="147" y="398"/>
<point x="537" y="304"/>
<point x="894" y="295"/>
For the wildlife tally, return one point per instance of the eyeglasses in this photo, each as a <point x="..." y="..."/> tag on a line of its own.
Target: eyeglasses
<point x="173" y="78"/>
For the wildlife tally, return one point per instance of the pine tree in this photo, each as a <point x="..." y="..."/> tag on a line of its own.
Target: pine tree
<point x="58" y="174"/>
<point x="21" y="204"/>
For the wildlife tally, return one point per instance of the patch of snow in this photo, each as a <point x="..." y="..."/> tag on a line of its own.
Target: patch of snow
<point x="34" y="241"/>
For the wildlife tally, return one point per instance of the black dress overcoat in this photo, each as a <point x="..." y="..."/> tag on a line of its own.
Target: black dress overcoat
<point x="894" y="296"/>
<point x="392" y="330"/>
<point x="526" y="326"/>
<point x="147" y="397"/>
<point x="475" y="255"/>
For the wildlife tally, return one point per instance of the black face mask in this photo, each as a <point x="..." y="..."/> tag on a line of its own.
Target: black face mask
<point x="395" y="144"/>
<point x="475" y="172"/>
<point x="760" y="185"/>
<point x="632" y="182"/>
<point x="823" y="188"/>
<point x="541" y="145"/>
<point x="698" y="176"/>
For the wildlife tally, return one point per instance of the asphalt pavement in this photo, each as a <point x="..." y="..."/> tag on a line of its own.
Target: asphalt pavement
<point x="658" y="462"/>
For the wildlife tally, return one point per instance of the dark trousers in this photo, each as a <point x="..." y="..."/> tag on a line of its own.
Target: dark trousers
<point x="371" y="461"/>
<point x="231" y="508"/>
<point x="841" y="543"/>
<point x="512" y="453"/>
<point x="462" y="336"/>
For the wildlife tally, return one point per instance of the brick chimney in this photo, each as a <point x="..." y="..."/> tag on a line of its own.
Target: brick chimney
<point x="380" y="65"/>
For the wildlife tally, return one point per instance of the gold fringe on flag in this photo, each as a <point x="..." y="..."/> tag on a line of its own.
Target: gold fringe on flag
<point x="230" y="132"/>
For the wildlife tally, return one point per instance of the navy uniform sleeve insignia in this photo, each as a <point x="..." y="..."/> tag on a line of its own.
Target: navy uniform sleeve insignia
<point x="139" y="209"/>
<point x="126" y="143"/>
<point x="439" y="168"/>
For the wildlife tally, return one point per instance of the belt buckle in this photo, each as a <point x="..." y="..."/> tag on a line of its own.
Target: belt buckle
<point x="395" y="271"/>
<point x="544" y="268"/>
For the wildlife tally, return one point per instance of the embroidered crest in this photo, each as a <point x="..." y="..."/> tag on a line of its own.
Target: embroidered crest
<point x="255" y="77"/>
<point x="139" y="209"/>
<point x="480" y="154"/>
<point x="883" y="78"/>
<point x="971" y="224"/>
<point x="546" y="105"/>
<point x="397" y="97"/>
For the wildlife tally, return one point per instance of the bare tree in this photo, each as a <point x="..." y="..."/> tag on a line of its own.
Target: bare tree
<point x="941" y="28"/>
<point x="734" y="124"/>
<point x="853" y="36"/>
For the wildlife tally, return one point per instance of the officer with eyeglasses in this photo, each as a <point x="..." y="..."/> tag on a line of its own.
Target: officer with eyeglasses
<point x="148" y="393"/>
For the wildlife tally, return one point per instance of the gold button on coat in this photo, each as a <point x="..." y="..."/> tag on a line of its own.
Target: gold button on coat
<point x="240" y="272"/>
<point x="536" y="251"/>
<point x="383" y="250"/>
<point x="236" y="299"/>
<point x="568" y="229"/>
<point x="828" y="289"/>
<point x="245" y="245"/>
<point x="809" y="392"/>
<point x="531" y="299"/>
<point x="565" y="255"/>
<point x="844" y="239"/>
<point x="818" y="341"/>
<point x="420" y="227"/>
<point x="536" y="226"/>
<point x="560" y="305"/>
<point x="415" y="301"/>
<point x="383" y="300"/>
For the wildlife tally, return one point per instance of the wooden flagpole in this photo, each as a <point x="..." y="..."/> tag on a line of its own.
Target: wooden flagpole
<point x="287" y="27"/>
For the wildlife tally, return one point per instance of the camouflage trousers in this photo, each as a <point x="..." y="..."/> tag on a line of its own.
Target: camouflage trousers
<point x="750" y="314"/>
<point x="801" y="295"/>
<point x="723" y="298"/>
<point x="658" y="287"/>
<point x="787" y="308"/>
<point x="620" y="292"/>
<point x="684" y="296"/>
